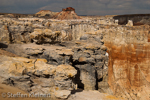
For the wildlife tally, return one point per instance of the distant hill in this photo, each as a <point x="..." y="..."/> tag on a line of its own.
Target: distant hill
<point x="138" y="19"/>
<point x="46" y="13"/>
<point x="68" y="13"/>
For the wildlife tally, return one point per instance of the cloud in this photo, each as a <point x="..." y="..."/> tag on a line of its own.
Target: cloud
<point x="83" y="7"/>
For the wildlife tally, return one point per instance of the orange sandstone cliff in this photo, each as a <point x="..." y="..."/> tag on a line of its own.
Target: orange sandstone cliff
<point x="129" y="62"/>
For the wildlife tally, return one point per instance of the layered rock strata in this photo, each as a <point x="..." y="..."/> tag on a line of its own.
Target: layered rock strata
<point x="79" y="44"/>
<point x="68" y="13"/>
<point x="128" y="74"/>
<point x="35" y="75"/>
<point x="86" y="57"/>
<point x="27" y="30"/>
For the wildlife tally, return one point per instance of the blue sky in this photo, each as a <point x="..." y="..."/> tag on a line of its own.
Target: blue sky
<point x="83" y="7"/>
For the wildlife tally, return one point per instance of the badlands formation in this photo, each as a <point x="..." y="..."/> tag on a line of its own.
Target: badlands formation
<point x="76" y="57"/>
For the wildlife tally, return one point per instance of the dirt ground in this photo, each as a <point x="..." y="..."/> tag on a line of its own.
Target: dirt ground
<point x="3" y="52"/>
<point x="6" y="93"/>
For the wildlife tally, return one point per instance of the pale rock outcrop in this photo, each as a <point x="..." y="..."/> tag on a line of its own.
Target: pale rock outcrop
<point x="19" y="30"/>
<point x="86" y="56"/>
<point x="65" y="71"/>
<point x="63" y="76"/>
<point x="55" y="55"/>
<point x="130" y="23"/>
<point x="44" y="36"/>
<point x="35" y="75"/>
<point x="62" y="94"/>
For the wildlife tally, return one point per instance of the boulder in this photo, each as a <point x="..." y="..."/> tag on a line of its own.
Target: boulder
<point x="65" y="71"/>
<point x="44" y="69"/>
<point x="62" y="94"/>
<point x="63" y="77"/>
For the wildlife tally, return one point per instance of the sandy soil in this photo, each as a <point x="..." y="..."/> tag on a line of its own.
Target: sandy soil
<point x="3" y="52"/>
<point x="6" y="91"/>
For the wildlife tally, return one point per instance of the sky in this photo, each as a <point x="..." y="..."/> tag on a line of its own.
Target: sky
<point x="82" y="7"/>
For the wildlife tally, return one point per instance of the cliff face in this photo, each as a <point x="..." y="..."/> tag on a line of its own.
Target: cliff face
<point x="129" y="57"/>
<point x="129" y="70"/>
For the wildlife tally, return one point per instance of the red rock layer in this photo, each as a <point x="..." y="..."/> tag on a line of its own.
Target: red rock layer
<point x="129" y="60"/>
<point x="129" y="70"/>
<point x="69" y="9"/>
<point x="68" y="13"/>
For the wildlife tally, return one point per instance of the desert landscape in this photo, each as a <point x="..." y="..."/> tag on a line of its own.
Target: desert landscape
<point x="63" y="56"/>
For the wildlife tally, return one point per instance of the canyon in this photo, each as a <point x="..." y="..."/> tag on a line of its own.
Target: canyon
<point x="98" y="54"/>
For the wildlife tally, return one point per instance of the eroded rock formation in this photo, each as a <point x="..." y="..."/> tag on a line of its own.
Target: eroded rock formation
<point x="80" y="44"/>
<point x="87" y="57"/>
<point x="68" y="13"/>
<point x="35" y="75"/>
<point x="128" y="74"/>
<point x="44" y="13"/>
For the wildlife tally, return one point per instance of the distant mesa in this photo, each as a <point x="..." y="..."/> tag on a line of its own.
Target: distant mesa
<point x="68" y="9"/>
<point x="65" y="14"/>
<point x="43" y="13"/>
